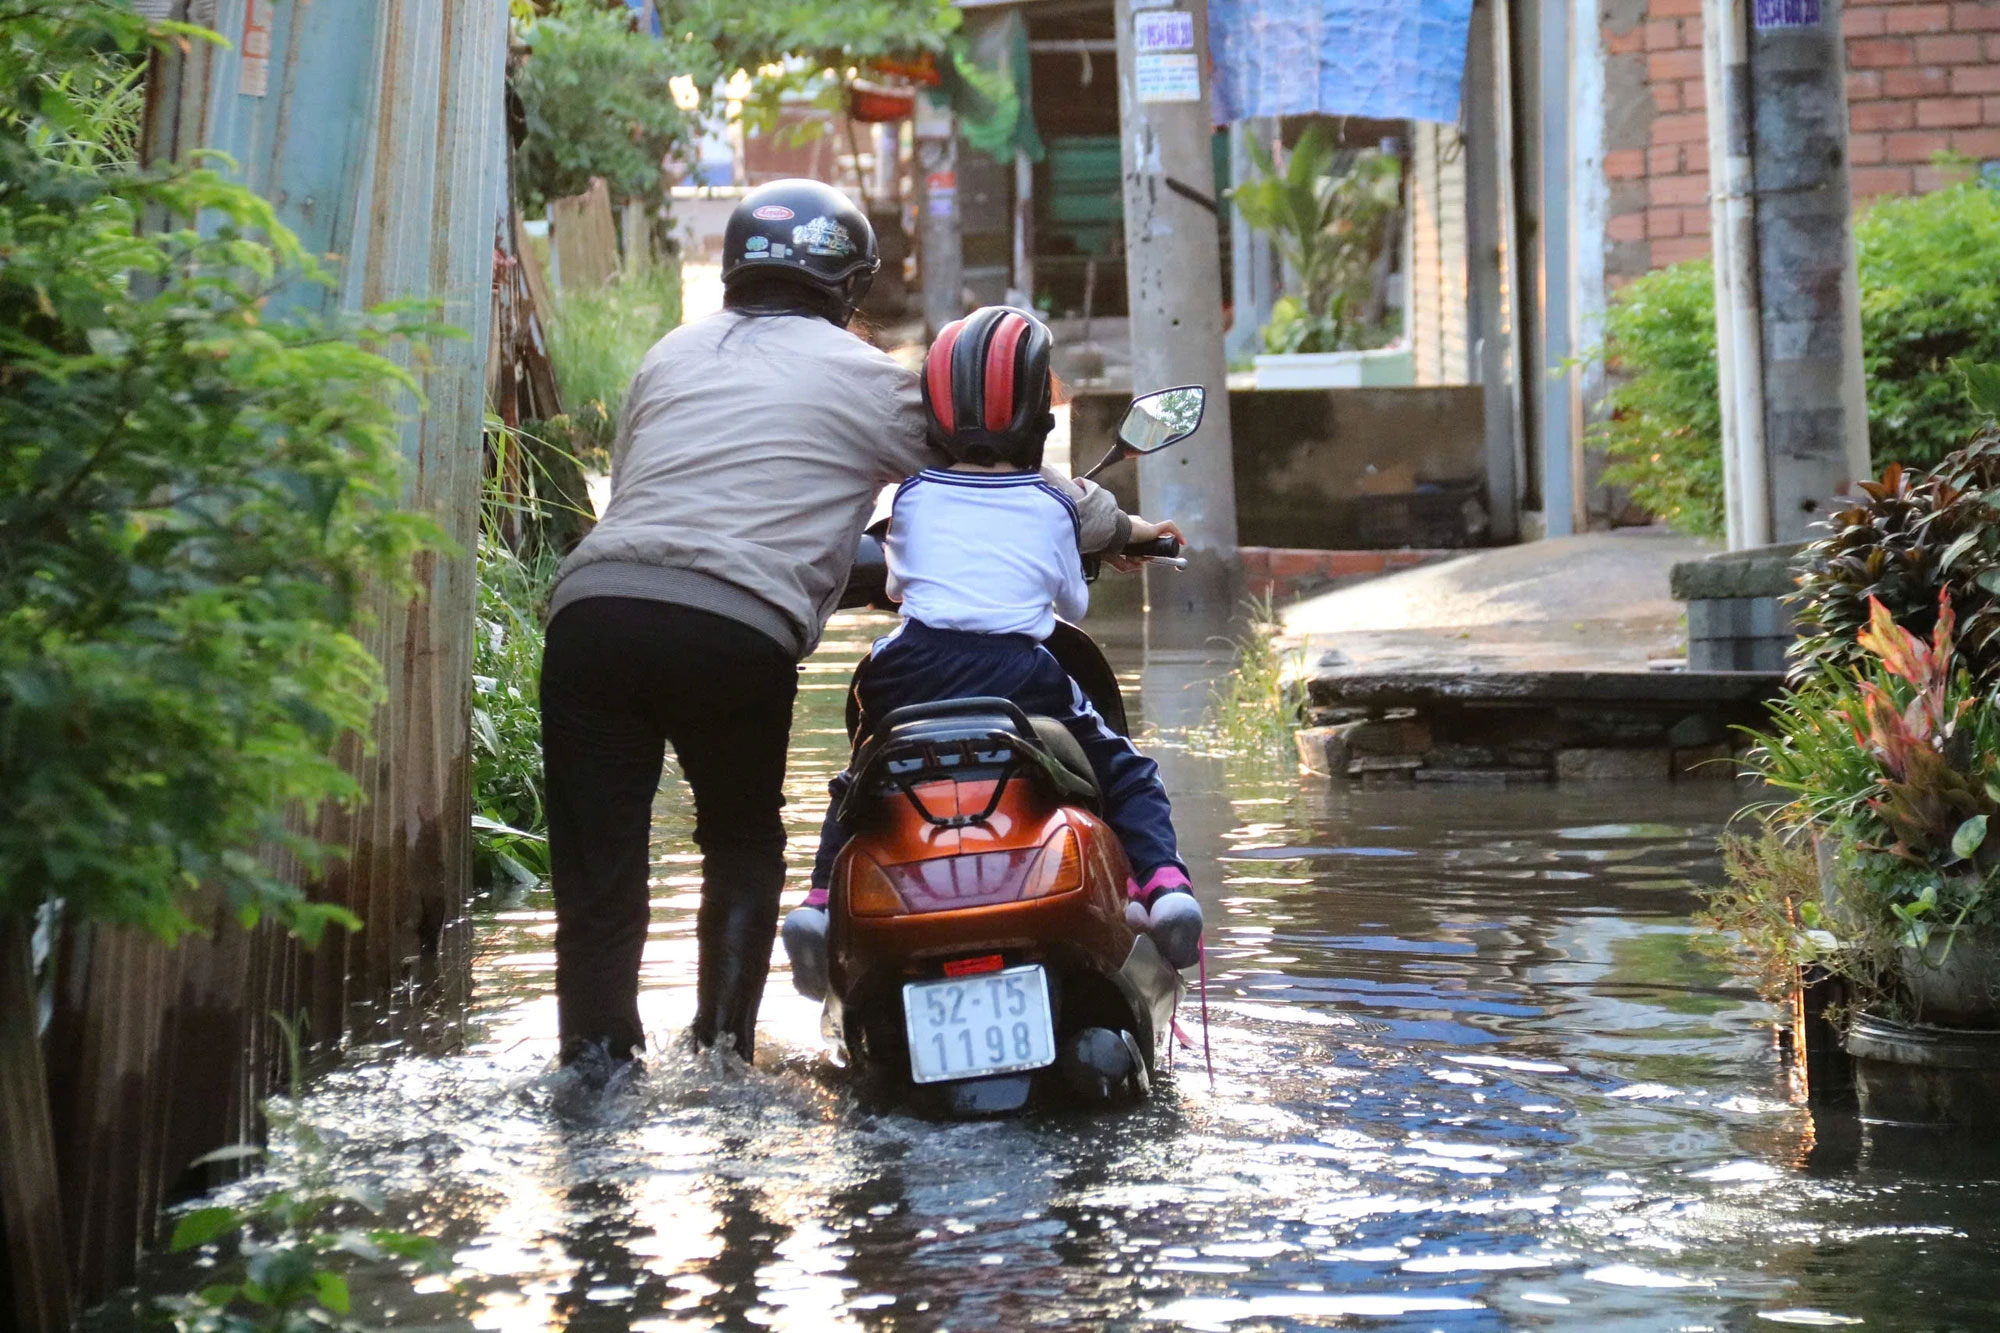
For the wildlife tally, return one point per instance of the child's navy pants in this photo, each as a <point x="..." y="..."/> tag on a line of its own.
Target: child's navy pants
<point x="918" y="664"/>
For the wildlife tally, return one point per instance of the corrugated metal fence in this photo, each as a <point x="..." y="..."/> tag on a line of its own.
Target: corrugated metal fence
<point x="377" y="129"/>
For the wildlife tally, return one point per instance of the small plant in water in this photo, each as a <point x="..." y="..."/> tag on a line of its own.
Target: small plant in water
<point x="283" y="1273"/>
<point x="283" y="1276"/>
<point x="1253" y="711"/>
<point x="1766" y="910"/>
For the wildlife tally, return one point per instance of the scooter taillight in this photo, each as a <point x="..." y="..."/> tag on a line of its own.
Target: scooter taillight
<point x="1062" y="866"/>
<point x="975" y="879"/>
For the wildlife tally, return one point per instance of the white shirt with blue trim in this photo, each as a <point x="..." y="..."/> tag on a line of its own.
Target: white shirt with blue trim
<point x="986" y="553"/>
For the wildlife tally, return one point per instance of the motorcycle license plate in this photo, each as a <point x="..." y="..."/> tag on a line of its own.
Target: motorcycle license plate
<point x="992" y="1023"/>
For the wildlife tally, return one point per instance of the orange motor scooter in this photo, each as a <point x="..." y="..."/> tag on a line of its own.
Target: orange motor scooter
<point x="978" y="950"/>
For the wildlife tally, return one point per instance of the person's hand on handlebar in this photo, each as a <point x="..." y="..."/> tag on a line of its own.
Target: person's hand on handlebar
<point x="1142" y="532"/>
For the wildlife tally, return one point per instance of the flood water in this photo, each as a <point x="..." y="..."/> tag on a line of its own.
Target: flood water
<point x="1470" y="1073"/>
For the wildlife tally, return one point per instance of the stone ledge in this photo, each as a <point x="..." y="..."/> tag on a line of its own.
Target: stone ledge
<point x="1526" y="726"/>
<point x="1640" y="689"/>
<point x="1761" y="571"/>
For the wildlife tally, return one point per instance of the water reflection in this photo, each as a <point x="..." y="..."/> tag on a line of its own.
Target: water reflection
<point x="1471" y="1073"/>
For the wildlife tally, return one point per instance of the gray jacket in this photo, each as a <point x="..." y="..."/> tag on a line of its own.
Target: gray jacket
<point x="746" y="465"/>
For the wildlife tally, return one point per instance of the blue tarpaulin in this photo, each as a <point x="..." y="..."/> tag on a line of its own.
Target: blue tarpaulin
<point x="1384" y="59"/>
<point x="648" y="14"/>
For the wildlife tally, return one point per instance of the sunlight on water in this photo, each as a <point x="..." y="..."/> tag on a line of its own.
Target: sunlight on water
<point x="1470" y="1073"/>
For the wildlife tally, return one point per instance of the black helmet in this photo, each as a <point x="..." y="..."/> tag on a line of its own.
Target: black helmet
<point x="802" y="231"/>
<point x="987" y="387"/>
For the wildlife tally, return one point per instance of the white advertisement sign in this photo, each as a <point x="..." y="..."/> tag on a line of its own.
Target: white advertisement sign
<point x="1166" y="78"/>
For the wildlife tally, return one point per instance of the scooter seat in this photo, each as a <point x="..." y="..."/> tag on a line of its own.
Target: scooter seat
<point x="1054" y="738"/>
<point x="968" y="740"/>
<point x="954" y="727"/>
<point x="1065" y="749"/>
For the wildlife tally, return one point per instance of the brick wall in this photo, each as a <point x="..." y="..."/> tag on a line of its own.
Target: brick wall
<point x="1923" y="78"/>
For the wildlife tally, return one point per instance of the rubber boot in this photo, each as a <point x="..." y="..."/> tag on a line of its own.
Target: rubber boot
<point x="804" y="935"/>
<point x="735" y="937"/>
<point x="597" y="1064"/>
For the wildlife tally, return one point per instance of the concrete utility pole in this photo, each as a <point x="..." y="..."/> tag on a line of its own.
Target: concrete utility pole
<point x="1787" y="309"/>
<point x="1173" y="266"/>
<point x="1491" y="244"/>
<point x="941" y="261"/>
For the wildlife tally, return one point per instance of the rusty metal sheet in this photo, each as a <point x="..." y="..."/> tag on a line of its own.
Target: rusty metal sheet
<point x="379" y="137"/>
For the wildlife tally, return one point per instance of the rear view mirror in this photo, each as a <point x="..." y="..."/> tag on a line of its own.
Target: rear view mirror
<point x="1154" y="421"/>
<point x="1159" y="419"/>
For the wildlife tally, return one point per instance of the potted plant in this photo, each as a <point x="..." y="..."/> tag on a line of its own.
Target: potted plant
<point x="1883" y="869"/>
<point x="1330" y="214"/>
<point x="1893" y="761"/>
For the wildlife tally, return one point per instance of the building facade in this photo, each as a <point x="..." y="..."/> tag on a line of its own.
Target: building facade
<point x="1923" y="91"/>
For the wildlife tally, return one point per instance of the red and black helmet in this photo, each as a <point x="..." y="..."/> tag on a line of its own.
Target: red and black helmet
<point x="987" y="387"/>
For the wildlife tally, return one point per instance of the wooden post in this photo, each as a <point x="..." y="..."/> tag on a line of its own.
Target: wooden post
<point x="584" y="238"/>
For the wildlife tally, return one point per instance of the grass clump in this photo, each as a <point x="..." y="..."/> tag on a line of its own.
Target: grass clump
<point x="527" y="521"/>
<point x="1254" y="710"/>
<point x="1762" y="912"/>
<point x="534" y="509"/>
<point x="597" y="338"/>
<point x="510" y="823"/>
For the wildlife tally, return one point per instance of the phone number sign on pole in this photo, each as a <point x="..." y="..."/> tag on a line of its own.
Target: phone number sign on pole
<point x="1770" y="14"/>
<point x="1163" y="30"/>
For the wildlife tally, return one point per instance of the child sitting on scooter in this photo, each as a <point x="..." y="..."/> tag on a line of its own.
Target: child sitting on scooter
<point x="983" y="557"/>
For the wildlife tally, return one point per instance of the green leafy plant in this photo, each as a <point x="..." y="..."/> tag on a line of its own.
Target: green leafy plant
<point x="510" y="821"/>
<point x="787" y="46"/>
<point x="1328" y="212"/>
<point x="1767" y="913"/>
<point x="599" y="101"/>
<point x="1982" y="387"/>
<point x="1663" y="422"/>
<point x="1908" y="541"/>
<point x="1930" y="295"/>
<point x="598" y="95"/>
<point x="283" y="1273"/>
<point x="102" y="98"/>
<point x="531" y="512"/>
<point x="194" y="490"/>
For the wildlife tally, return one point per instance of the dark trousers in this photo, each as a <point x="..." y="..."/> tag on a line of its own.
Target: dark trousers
<point x="622" y="679"/>
<point x="918" y="664"/>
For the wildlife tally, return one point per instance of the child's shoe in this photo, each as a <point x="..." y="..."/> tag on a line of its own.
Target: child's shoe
<point x="1164" y="907"/>
<point x="1176" y="927"/>
<point x="804" y="934"/>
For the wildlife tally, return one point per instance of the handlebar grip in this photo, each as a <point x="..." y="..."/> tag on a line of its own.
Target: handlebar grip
<point x="1168" y="547"/>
